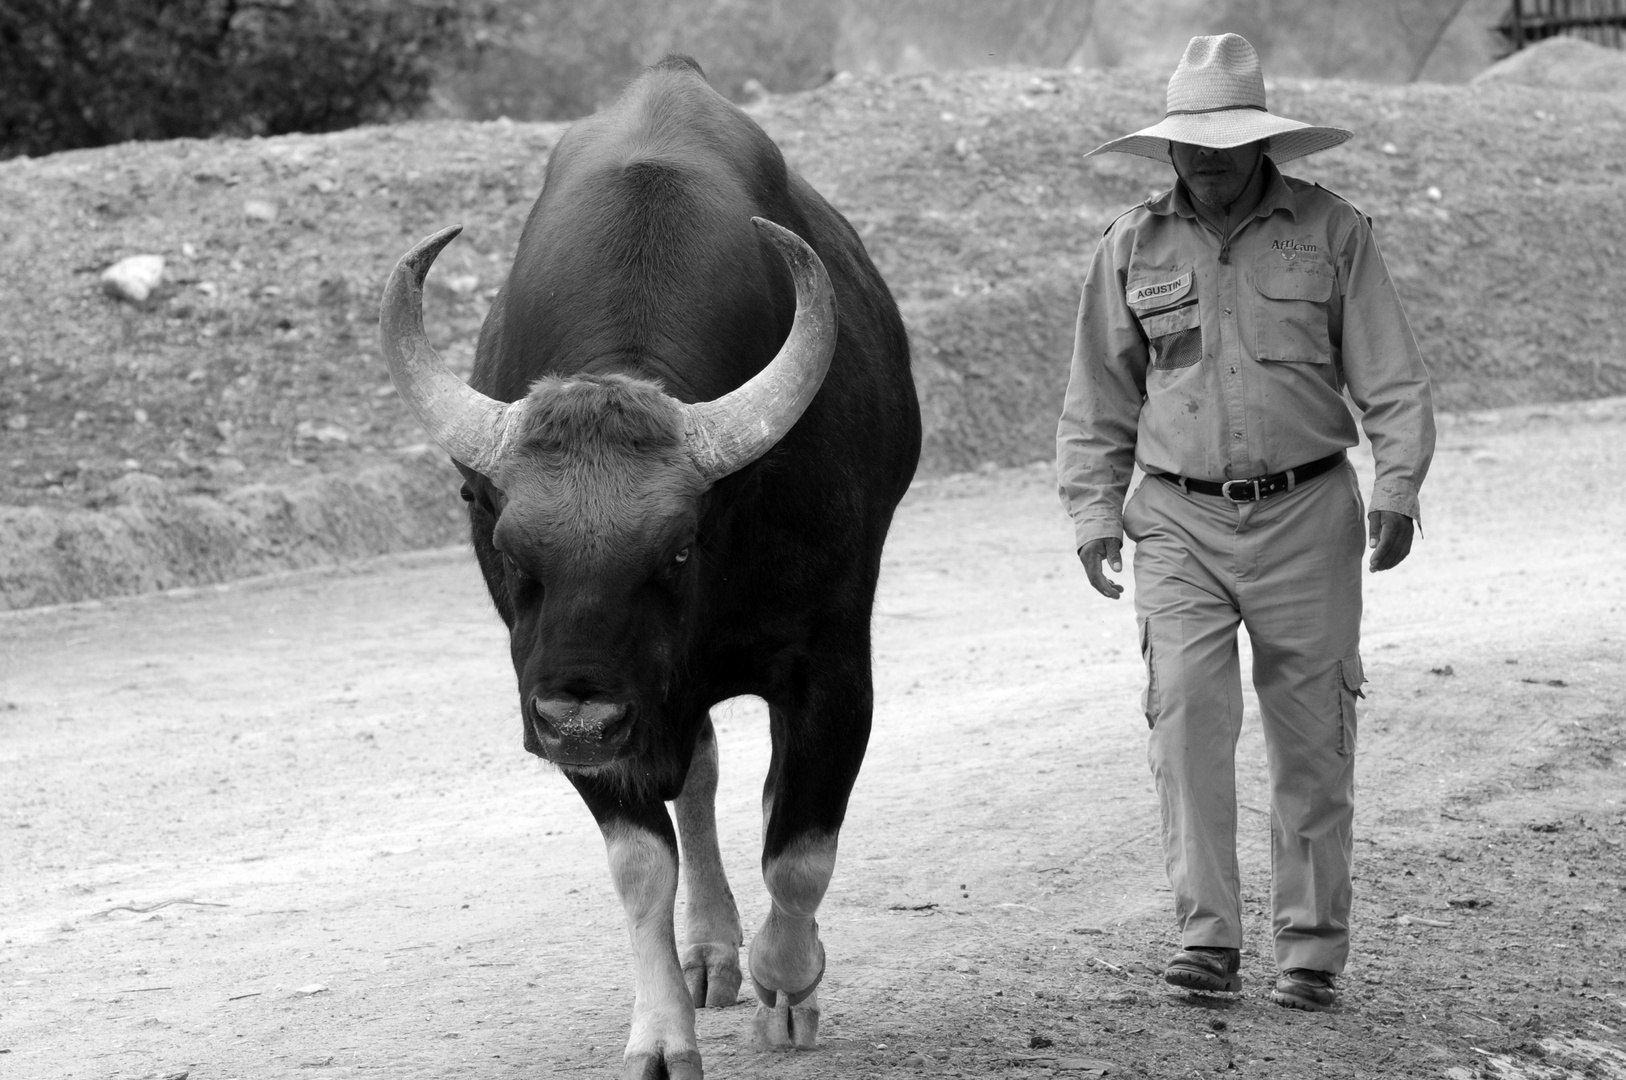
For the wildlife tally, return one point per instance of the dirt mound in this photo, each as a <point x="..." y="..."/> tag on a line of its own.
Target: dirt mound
<point x="548" y="59"/>
<point x="1561" y="63"/>
<point x="1393" y="41"/>
<point x="257" y="361"/>
<point x="147" y="537"/>
<point x="1495" y="207"/>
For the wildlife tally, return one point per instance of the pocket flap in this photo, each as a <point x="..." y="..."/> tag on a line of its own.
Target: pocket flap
<point x="1349" y="669"/>
<point x="1281" y="284"/>
<point x="1170" y="322"/>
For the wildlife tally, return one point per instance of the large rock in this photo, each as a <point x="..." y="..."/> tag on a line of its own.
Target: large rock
<point x="134" y="278"/>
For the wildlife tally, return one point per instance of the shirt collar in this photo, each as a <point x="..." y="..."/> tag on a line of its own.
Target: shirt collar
<point x="1277" y="196"/>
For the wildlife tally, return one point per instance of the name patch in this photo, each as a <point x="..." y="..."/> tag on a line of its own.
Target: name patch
<point x="1292" y="245"/>
<point x="1162" y="290"/>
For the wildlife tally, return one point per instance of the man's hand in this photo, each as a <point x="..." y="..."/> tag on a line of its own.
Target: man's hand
<point x="1110" y="549"/>
<point x="1390" y="538"/>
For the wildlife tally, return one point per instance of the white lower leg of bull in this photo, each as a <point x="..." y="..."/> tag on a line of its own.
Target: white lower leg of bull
<point x="787" y="958"/>
<point x="662" y="1041"/>
<point x="711" y="922"/>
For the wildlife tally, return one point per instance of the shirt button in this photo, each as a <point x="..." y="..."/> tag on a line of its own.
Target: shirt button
<point x="1227" y="311"/>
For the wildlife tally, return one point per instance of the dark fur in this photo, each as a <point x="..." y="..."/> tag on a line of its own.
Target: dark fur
<point x="639" y="270"/>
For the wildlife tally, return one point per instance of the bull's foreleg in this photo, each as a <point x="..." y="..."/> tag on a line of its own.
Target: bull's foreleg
<point x="817" y="749"/>
<point x="711" y="930"/>
<point x="644" y="867"/>
<point x="787" y="958"/>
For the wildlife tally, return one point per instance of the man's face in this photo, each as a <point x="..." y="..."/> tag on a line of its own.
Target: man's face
<point x="1215" y="177"/>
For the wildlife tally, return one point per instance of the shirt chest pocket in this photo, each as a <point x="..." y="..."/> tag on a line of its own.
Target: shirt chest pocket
<point x="1291" y="316"/>
<point x="1176" y="336"/>
<point x="1165" y="304"/>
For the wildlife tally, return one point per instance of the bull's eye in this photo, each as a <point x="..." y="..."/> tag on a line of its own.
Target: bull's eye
<point x="674" y="565"/>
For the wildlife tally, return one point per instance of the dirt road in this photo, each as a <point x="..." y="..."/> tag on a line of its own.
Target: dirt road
<point x="286" y="828"/>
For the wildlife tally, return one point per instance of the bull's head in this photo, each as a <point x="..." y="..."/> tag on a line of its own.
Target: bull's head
<point x="600" y="480"/>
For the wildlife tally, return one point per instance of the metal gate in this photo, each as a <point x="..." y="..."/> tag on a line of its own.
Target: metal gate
<point x="1600" y="21"/>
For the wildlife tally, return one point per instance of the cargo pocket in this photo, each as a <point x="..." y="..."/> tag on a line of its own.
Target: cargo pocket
<point x="1176" y="336"/>
<point x="1350" y="679"/>
<point x="1291" y="324"/>
<point x="1149" y="703"/>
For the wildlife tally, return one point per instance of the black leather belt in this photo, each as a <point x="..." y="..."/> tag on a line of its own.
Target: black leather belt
<point x="1259" y="487"/>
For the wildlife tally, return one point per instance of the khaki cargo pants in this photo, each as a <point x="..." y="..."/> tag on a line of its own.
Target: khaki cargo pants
<point x="1289" y="569"/>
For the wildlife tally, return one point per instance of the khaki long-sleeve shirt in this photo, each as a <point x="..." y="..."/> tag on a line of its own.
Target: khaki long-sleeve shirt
<point x="1220" y="359"/>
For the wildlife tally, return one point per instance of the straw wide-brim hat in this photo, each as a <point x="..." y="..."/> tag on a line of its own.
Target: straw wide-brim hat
<point x="1217" y="98"/>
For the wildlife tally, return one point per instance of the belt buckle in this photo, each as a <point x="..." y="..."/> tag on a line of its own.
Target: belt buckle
<point x="1255" y="496"/>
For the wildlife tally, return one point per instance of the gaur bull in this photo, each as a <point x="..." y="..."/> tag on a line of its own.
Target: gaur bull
<point x="690" y="419"/>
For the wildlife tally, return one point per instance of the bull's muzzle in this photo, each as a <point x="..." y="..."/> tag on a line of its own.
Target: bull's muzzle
<point x="577" y="731"/>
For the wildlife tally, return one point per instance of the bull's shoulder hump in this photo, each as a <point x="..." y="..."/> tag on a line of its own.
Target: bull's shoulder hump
<point x="670" y="117"/>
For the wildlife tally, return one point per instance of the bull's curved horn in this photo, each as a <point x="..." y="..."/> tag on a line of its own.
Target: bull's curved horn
<point x="467" y="424"/>
<point x="729" y="433"/>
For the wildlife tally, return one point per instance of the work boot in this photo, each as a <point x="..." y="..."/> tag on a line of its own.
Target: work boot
<point x="1203" y="967"/>
<point x="1304" y="988"/>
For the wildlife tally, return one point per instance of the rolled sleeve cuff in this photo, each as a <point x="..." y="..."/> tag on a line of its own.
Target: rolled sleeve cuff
<point x="1398" y="497"/>
<point x="1096" y="527"/>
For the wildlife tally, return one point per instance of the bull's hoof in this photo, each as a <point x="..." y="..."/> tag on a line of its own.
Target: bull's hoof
<point x="712" y="971"/>
<point x="783" y="1026"/>
<point x="681" y="1065"/>
<point x="768" y="996"/>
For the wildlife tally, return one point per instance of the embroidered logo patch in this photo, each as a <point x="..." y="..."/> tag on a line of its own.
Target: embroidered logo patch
<point x="1292" y="245"/>
<point x="1163" y="290"/>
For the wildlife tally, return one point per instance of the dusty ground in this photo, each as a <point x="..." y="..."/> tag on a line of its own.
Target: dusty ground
<point x="286" y="829"/>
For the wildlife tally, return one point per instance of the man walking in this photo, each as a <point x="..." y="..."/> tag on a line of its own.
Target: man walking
<point x="1221" y="324"/>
